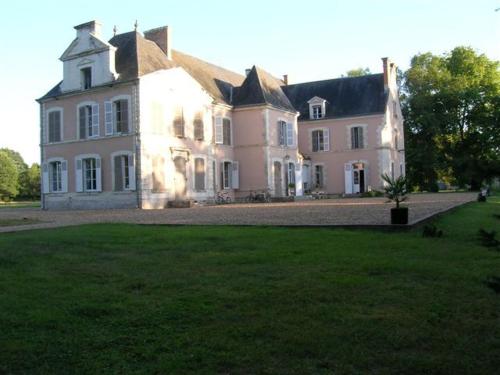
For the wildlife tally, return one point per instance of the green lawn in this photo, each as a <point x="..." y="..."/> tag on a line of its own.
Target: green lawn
<point x="20" y="204"/>
<point x="101" y="299"/>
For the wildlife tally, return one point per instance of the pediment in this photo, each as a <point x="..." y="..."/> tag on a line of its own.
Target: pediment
<point x="316" y="100"/>
<point x="85" y="61"/>
<point x="85" y="46"/>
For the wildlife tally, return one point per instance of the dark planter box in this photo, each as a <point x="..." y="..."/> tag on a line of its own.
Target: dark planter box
<point x="180" y="203"/>
<point x="399" y="215"/>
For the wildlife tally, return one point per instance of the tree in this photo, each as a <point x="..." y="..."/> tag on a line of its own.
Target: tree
<point x="358" y="72"/>
<point x="29" y="182"/>
<point x="17" y="158"/>
<point x="452" y="116"/>
<point x="8" y="177"/>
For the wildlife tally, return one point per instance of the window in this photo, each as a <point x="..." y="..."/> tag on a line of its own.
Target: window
<point x="198" y="127"/>
<point x="121" y="116"/>
<point x="401" y="169"/>
<point x="122" y="173"/>
<point x="55" y="176"/>
<point x="86" y="78"/>
<point x="357" y="137"/>
<point x="291" y="173"/>
<point x="199" y="174"/>
<point x="320" y="140"/>
<point x="158" y="174"/>
<point x="89" y="174"/>
<point x="396" y="143"/>
<point x="318" y="176"/>
<point x="317" y="111"/>
<point x="282" y="128"/>
<point x="226" y="131"/>
<point x="179" y="123"/>
<point x="89" y="121"/>
<point x="394" y="109"/>
<point x="226" y="175"/>
<point x="392" y="170"/>
<point x="54" y="126"/>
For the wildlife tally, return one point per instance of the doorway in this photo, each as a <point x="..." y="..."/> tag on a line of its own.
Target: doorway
<point x="278" y="181"/>
<point x="180" y="178"/>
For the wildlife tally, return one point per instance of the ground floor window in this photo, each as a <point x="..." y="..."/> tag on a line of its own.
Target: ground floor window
<point x="199" y="174"/>
<point x="122" y="173"/>
<point x="90" y="174"/>
<point x="226" y="175"/>
<point x="55" y="176"/>
<point x="318" y="176"/>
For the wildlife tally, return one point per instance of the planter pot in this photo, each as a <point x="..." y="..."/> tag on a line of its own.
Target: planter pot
<point x="399" y="215"/>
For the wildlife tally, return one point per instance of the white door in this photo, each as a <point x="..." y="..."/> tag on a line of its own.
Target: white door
<point x="348" y="178"/>
<point x="355" y="181"/>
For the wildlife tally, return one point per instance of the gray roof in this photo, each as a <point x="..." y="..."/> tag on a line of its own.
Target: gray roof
<point x="345" y="97"/>
<point x="217" y="81"/>
<point x="261" y="87"/>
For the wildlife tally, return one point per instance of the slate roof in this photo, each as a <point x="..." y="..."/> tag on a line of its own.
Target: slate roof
<point x="261" y="87"/>
<point x="217" y="81"/>
<point x="345" y="97"/>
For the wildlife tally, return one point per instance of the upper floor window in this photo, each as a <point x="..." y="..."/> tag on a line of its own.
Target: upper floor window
<point x="317" y="112"/>
<point x="88" y="121"/>
<point x="285" y="133"/>
<point x="317" y="108"/>
<point x="396" y="143"/>
<point x="54" y="126"/>
<point x="394" y="109"/>
<point x="116" y="116"/>
<point x="179" y="123"/>
<point x="357" y="140"/>
<point x="198" y="127"/>
<point x="222" y="131"/>
<point x="86" y="78"/>
<point x="320" y="140"/>
<point x="199" y="174"/>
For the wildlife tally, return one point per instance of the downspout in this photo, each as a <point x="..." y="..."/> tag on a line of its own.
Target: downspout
<point x="42" y="194"/>
<point x="137" y="143"/>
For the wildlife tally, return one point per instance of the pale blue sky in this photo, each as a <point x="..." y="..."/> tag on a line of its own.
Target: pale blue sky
<point x="308" y="40"/>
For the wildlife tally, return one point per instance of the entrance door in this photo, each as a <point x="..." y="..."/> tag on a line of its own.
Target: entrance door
<point x="180" y="179"/>
<point x="278" y="182"/>
<point x="362" y="181"/>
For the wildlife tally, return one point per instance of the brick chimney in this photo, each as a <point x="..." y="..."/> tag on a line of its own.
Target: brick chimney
<point x="285" y="79"/>
<point x="161" y="36"/>
<point x="93" y="27"/>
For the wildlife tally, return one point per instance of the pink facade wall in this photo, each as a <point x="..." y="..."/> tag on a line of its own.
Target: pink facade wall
<point x="340" y="152"/>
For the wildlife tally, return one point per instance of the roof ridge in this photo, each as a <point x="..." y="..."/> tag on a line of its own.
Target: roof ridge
<point x="335" y="79"/>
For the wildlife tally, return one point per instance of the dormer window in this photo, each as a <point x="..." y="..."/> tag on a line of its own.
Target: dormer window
<point x="317" y="108"/>
<point x="317" y="112"/>
<point x="86" y="78"/>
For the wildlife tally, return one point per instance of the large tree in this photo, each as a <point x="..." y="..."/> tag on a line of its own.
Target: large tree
<point x="8" y="177"/>
<point x="451" y="105"/>
<point x="29" y="182"/>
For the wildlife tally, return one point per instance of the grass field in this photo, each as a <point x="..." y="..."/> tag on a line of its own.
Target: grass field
<point x="179" y="300"/>
<point x="19" y="204"/>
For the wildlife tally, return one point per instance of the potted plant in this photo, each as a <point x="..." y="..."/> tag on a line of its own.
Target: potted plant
<point x="395" y="190"/>
<point x="291" y="188"/>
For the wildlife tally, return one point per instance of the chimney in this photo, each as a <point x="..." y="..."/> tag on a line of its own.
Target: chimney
<point x="285" y="79"/>
<point x="93" y="27"/>
<point x="247" y="72"/>
<point x="161" y="36"/>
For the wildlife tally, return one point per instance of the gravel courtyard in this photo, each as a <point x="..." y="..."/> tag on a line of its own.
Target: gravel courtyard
<point x="345" y="211"/>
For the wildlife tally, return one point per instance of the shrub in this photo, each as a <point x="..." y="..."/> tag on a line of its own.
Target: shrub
<point x="488" y="239"/>
<point x="432" y="231"/>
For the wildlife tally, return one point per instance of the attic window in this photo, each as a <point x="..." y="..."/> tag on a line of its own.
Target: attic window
<point x="317" y="112"/>
<point x="86" y="78"/>
<point x="317" y="108"/>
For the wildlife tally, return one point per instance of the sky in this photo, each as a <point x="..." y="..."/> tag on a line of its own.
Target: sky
<point x="308" y="41"/>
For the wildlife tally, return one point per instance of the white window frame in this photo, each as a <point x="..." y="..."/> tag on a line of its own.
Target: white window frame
<point x="82" y="77"/>
<point x="80" y="174"/>
<point x="46" y="178"/>
<point x="110" y="124"/>
<point x="326" y="140"/>
<point x="364" y="128"/>
<point x="227" y="176"/>
<point x="93" y="117"/>
<point x="49" y="111"/>
<point x="317" y="103"/>
<point x="199" y="115"/>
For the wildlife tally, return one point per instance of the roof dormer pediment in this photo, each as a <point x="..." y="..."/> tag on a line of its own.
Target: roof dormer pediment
<point x="316" y="100"/>
<point x="85" y="45"/>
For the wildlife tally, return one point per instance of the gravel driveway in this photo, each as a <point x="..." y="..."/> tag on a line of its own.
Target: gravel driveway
<point x="342" y="211"/>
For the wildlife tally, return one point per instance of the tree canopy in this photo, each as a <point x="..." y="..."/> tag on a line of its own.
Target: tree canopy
<point x="451" y="105"/>
<point x="8" y="177"/>
<point x="358" y="72"/>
